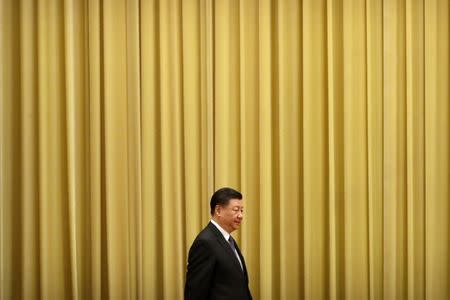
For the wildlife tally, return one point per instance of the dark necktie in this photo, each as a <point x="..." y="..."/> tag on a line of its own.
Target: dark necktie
<point x="233" y="247"/>
<point x="232" y="244"/>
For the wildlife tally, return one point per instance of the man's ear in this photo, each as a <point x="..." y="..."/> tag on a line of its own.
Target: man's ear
<point x="218" y="210"/>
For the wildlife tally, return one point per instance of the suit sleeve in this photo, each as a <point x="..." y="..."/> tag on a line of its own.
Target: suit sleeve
<point x="199" y="271"/>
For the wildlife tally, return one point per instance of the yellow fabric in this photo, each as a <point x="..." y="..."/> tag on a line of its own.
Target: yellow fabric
<point x="120" y="118"/>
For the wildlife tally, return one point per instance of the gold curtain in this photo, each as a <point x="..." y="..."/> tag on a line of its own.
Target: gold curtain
<point x="120" y="118"/>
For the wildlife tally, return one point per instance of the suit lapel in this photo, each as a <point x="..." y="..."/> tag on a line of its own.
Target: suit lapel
<point x="224" y="244"/>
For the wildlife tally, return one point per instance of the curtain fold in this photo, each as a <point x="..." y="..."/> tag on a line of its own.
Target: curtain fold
<point x="118" y="120"/>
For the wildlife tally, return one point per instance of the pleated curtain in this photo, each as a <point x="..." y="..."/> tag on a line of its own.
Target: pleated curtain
<point x="119" y="119"/>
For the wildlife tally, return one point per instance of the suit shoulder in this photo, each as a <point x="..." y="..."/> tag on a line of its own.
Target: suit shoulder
<point x="203" y="244"/>
<point x="205" y="237"/>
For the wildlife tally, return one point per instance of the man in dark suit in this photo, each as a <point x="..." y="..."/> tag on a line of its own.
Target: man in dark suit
<point x="216" y="268"/>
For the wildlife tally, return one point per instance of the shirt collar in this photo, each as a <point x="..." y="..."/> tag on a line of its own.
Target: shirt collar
<point x="225" y="234"/>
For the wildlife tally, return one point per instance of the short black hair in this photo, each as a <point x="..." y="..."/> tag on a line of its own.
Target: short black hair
<point x="222" y="197"/>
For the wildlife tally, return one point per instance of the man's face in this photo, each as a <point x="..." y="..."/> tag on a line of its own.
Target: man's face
<point x="231" y="215"/>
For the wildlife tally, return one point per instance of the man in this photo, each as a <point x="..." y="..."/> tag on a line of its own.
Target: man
<point x="216" y="268"/>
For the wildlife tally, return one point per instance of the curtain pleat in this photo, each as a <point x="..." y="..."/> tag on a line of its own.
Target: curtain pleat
<point x="375" y="133"/>
<point x="415" y="148"/>
<point x="335" y="148"/>
<point x="119" y="119"/>
<point x="437" y="148"/>
<point x="315" y="151"/>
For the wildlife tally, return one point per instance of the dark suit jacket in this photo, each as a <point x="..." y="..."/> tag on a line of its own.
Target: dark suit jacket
<point x="213" y="270"/>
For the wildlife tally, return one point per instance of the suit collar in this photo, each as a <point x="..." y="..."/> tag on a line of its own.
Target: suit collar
<point x="224" y="243"/>
<point x="225" y="234"/>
